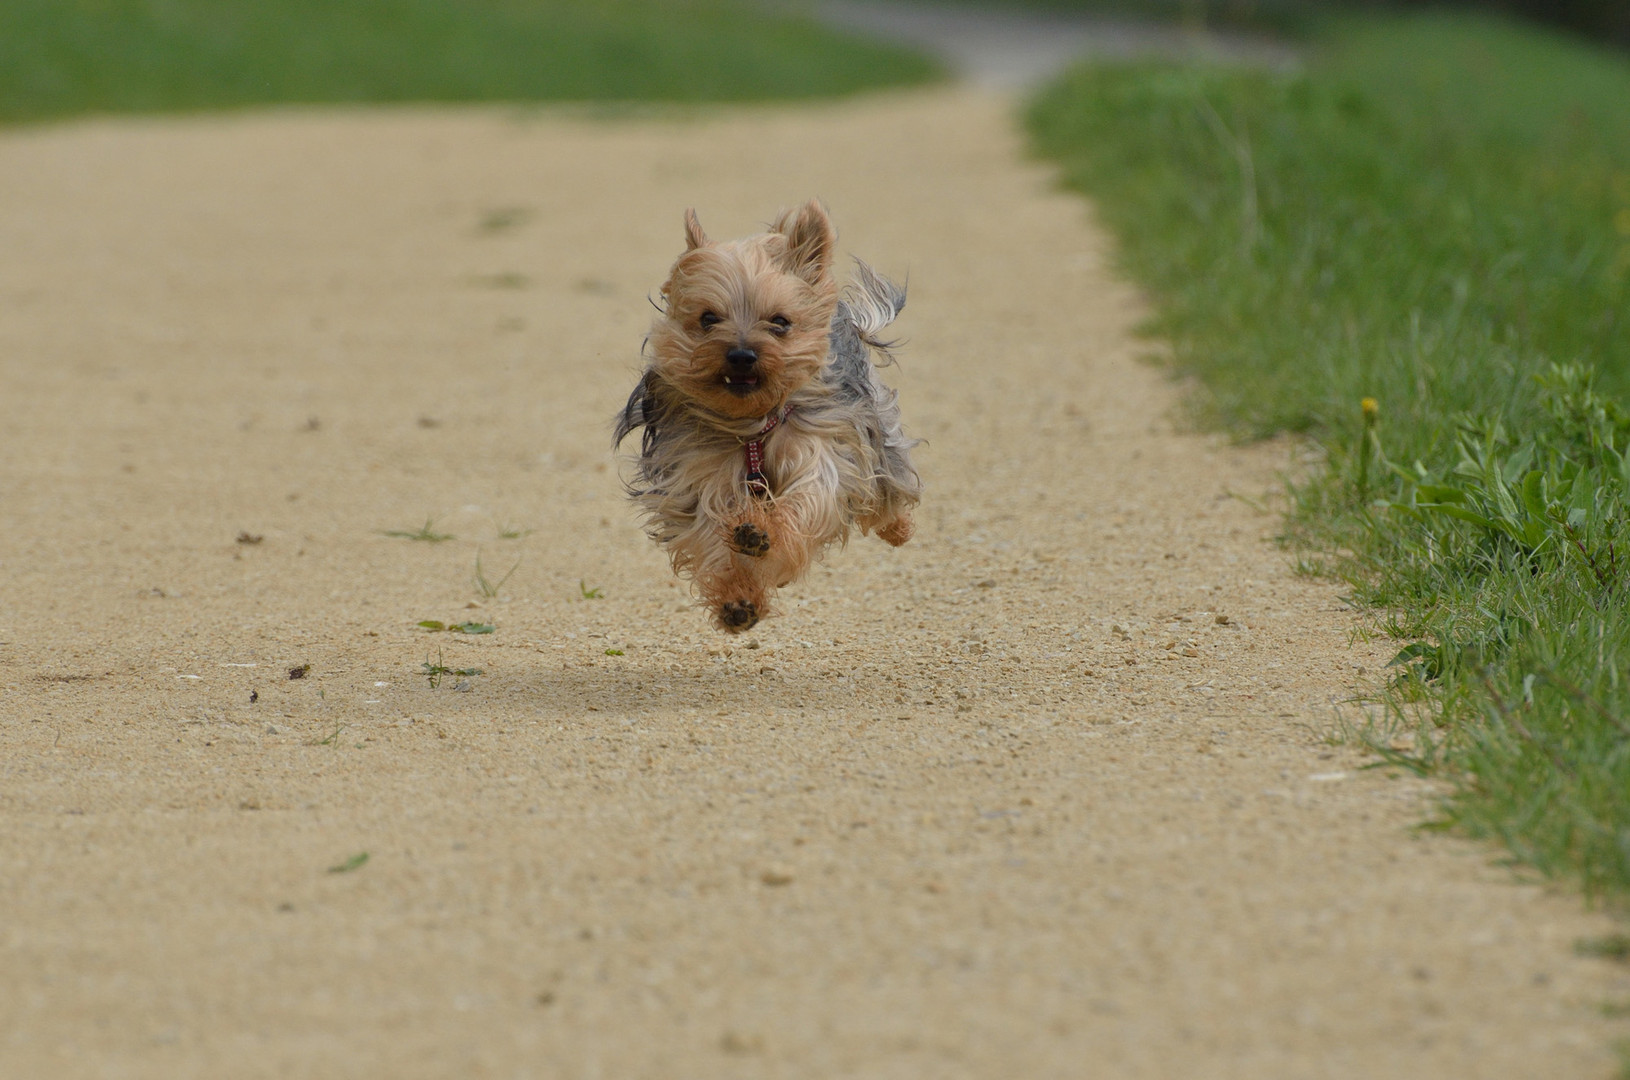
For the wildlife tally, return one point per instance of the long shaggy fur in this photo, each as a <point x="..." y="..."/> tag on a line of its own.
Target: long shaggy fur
<point x="836" y="461"/>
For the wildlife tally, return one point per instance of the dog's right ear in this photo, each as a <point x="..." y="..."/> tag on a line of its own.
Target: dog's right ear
<point x="694" y="236"/>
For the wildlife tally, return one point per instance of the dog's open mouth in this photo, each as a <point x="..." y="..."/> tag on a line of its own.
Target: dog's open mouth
<point x="741" y="385"/>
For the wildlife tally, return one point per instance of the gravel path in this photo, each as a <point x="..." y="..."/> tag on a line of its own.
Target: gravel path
<point x="1045" y="793"/>
<point x="1015" y="49"/>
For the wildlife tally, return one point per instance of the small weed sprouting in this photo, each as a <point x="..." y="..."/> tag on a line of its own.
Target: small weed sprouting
<point x="332" y="738"/>
<point x="595" y="593"/>
<point x="614" y="652"/>
<point x="426" y="532"/>
<point x="504" y="218"/>
<point x="513" y="532"/>
<point x="489" y="589"/>
<point x="509" y="279"/>
<point x="355" y="862"/>
<point x="437" y="671"/>
<point x="436" y="626"/>
<point x="1305" y="566"/>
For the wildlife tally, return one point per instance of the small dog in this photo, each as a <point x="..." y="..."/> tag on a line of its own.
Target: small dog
<point x="767" y="433"/>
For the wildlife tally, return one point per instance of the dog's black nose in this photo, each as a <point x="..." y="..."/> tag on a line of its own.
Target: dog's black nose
<point x="741" y="358"/>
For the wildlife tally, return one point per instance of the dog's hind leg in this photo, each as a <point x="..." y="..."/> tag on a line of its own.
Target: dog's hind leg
<point x="893" y="531"/>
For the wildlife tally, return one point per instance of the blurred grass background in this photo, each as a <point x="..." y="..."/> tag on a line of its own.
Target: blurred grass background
<point x="1606" y="20"/>
<point x="62" y="58"/>
<point x="1433" y="214"/>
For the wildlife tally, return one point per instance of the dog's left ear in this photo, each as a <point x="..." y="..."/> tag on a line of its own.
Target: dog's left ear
<point x="810" y="241"/>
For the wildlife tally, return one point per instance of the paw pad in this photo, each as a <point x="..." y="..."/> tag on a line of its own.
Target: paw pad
<point x="750" y="540"/>
<point x="738" y="615"/>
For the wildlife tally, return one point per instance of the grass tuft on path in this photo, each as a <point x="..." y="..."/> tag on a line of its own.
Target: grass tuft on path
<point x="1434" y="215"/>
<point x="62" y="58"/>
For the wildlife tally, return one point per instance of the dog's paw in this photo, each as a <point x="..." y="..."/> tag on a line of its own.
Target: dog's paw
<point x="738" y="615"/>
<point x="750" y="540"/>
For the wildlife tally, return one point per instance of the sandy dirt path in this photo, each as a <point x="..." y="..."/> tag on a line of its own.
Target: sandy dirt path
<point x="1012" y="801"/>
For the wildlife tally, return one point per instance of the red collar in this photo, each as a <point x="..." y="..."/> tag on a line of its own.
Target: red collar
<point x="754" y="450"/>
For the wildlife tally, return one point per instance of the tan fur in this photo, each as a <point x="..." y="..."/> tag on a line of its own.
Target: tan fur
<point x="837" y="460"/>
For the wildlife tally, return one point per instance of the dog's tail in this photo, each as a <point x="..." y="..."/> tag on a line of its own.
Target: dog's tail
<point x="869" y="304"/>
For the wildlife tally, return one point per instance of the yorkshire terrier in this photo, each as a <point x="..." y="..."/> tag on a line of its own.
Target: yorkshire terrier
<point x="767" y="434"/>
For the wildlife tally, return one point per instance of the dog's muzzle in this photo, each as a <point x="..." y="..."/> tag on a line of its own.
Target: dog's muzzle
<point x="739" y="379"/>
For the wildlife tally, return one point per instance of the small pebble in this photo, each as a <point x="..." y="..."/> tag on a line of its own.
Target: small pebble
<point x="735" y="1043"/>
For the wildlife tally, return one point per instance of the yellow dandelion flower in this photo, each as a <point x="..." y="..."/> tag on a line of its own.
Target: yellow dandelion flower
<point x="1371" y="408"/>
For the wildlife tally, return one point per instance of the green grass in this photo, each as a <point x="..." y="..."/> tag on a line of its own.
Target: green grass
<point x="1435" y="214"/>
<point x="63" y="58"/>
<point x="426" y="532"/>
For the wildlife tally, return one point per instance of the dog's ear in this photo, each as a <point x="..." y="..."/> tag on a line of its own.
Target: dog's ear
<point x="810" y="240"/>
<point x="694" y="236"/>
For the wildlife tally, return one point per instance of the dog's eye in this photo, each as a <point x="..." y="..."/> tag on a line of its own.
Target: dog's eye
<point x="709" y="320"/>
<point x="780" y="324"/>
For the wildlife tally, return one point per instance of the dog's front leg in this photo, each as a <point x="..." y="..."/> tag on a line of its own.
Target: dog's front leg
<point x="751" y="538"/>
<point x="732" y="585"/>
<point x="731" y="565"/>
<point x="790" y="530"/>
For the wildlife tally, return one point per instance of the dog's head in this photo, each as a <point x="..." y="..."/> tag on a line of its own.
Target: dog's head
<point x="745" y="323"/>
